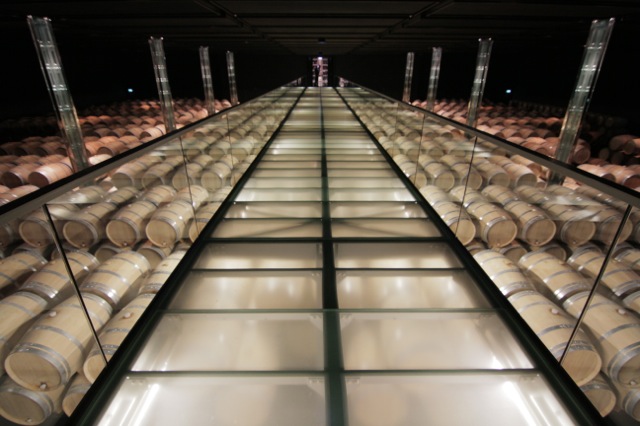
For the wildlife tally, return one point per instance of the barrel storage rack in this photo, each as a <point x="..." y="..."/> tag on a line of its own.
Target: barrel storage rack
<point x="82" y="258"/>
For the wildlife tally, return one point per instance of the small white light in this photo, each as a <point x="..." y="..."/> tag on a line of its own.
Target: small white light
<point x="319" y="58"/>
<point x="130" y="90"/>
<point x="507" y="91"/>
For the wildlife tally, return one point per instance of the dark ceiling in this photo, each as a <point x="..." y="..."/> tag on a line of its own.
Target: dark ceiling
<point x="332" y="27"/>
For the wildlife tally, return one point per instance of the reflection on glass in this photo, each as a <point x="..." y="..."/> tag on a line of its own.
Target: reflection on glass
<point x="412" y="341"/>
<point x="234" y="342"/>
<point x="453" y="399"/>
<point x="358" y="289"/>
<point x="220" y="400"/>
<point x="250" y="290"/>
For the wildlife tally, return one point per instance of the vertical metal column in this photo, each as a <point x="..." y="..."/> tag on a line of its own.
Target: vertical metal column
<point x="434" y="76"/>
<point x="231" y="70"/>
<point x="51" y="65"/>
<point x="162" y="81"/>
<point x="592" y="58"/>
<point x="408" y="76"/>
<point x="477" y="90"/>
<point x="207" y="81"/>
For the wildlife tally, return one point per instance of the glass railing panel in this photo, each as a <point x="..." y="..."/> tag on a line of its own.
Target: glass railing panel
<point x="234" y="342"/>
<point x="453" y="399"/>
<point x="247" y="400"/>
<point x="299" y="289"/>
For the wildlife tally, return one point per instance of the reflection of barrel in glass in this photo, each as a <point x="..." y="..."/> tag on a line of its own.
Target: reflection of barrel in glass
<point x="534" y="226"/>
<point x="113" y="333"/>
<point x="153" y="253"/>
<point x="513" y="251"/>
<point x="167" y="225"/>
<point x="203" y="216"/>
<point x="574" y="227"/>
<point x="50" y="352"/>
<point x="36" y="230"/>
<point x="503" y="272"/>
<point x="550" y="273"/>
<point x="186" y="176"/>
<point x="118" y="279"/>
<point x="53" y="283"/>
<point x="159" y="195"/>
<point x="617" y="334"/>
<point x="215" y="176"/>
<point x="87" y="227"/>
<point x="554" y="327"/>
<point x="127" y="226"/>
<point x="161" y="173"/>
<point x="457" y="219"/>
<point x="618" y="277"/>
<point x="8" y="233"/>
<point x="499" y="194"/>
<point x="156" y="279"/>
<point x="493" y="174"/>
<point x="600" y="394"/>
<point x="26" y="406"/>
<point x="17" y="311"/>
<point x="629" y="400"/>
<point x="15" y="268"/>
<point x="75" y="392"/>
<point x="196" y="195"/>
<point x="607" y="221"/>
<point x="121" y="196"/>
<point x="494" y="226"/>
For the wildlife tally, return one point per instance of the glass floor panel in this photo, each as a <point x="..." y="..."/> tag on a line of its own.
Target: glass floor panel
<point x="266" y="209"/>
<point x="453" y="399"/>
<point x="260" y="256"/>
<point x="234" y="342"/>
<point x="300" y="289"/>
<point x="268" y="228"/>
<point x="283" y="182"/>
<point x="288" y="194"/>
<point x="371" y="209"/>
<point x="290" y="173"/>
<point x="395" y="255"/>
<point x="381" y="228"/>
<point x="428" y="341"/>
<point x="410" y="289"/>
<point x="151" y="400"/>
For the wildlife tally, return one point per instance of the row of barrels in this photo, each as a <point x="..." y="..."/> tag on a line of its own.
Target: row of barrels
<point x="106" y="227"/>
<point x="551" y="294"/>
<point x="42" y="160"/>
<point x="47" y="345"/>
<point x="615" y="150"/>
<point x="509" y="214"/>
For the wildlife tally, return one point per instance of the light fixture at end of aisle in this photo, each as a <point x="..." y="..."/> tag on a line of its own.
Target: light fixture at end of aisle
<point x="130" y="90"/>
<point x="508" y="91"/>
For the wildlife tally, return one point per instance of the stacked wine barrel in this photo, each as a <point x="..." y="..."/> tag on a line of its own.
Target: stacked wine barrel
<point x="123" y="235"/>
<point x="107" y="130"/>
<point x="604" y="147"/>
<point x="542" y="245"/>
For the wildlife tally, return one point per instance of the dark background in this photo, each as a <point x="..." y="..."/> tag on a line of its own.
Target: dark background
<point x="103" y="73"/>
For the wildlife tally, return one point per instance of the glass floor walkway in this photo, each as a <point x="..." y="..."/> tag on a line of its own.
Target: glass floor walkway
<point x="327" y="296"/>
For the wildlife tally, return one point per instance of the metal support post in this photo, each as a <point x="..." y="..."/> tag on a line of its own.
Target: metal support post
<point x="479" y="80"/>
<point x="162" y="81"/>
<point x="65" y="110"/>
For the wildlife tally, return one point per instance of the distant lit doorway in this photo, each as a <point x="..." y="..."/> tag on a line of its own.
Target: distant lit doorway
<point x="320" y="71"/>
